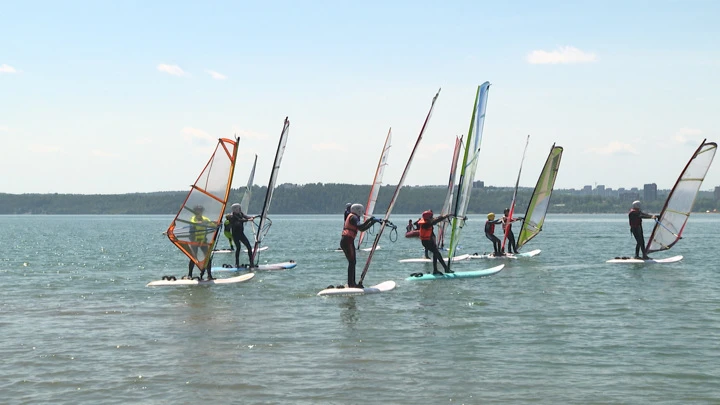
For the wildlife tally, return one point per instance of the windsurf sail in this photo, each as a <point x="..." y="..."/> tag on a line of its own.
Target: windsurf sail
<point x="448" y="197"/>
<point x="469" y="165"/>
<point x="264" y="223"/>
<point x="511" y="210"/>
<point x="245" y="202"/>
<point x="540" y="199"/>
<point x="676" y="211"/>
<point x="397" y="190"/>
<point x="377" y="182"/>
<point x="196" y="226"/>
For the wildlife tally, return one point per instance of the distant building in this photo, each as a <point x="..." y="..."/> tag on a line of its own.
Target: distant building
<point x="478" y="184"/>
<point x="587" y="190"/>
<point x="629" y="195"/>
<point x="717" y="193"/>
<point x="650" y="192"/>
<point x="600" y="190"/>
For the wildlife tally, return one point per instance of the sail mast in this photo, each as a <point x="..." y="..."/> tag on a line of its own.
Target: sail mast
<point x="469" y="165"/>
<point x="265" y="223"/>
<point x="377" y="182"/>
<point x="676" y="211"/>
<point x="397" y="190"/>
<point x="508" y="222"/>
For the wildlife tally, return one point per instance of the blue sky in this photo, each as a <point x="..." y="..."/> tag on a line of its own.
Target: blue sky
<point x="131" y="96"/>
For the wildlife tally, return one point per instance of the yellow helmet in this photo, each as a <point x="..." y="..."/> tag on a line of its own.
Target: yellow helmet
<point x="491" y="216"/>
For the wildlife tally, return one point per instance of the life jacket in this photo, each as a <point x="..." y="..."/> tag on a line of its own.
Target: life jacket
<point x="350" y="229"/>
<point x="634" y="218"/>
<point x="199" y="229"/>
<point x="226" y="228"/>
<point x="425" y="231"/>
<point x="489" y="227"/>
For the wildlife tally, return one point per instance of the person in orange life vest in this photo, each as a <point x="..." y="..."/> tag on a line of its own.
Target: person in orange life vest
<point x="347" y="241"/>
<point x="237" y="226"/>
<point x="345" y="215"/>
<point x="507" y="224"/>
<point x="200" y="227"/>
<point x="490" y="233"/>
<point x="427" y="238"/>
<point x="635" y="216"/>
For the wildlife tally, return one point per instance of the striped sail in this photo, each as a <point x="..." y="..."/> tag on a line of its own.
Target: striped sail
<point x="540" y="199"/>
<point x="674" y="215"/>
<point x="469" y="165"/>
<point x="377" y="182"/>
<point x="196" y="226"/>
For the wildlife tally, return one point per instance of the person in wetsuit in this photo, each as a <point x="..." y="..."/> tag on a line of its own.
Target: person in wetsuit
<point x="347" y="241"/>
<point x="427" y="238"/>
<point x="237" y="227"/>
<point x="490" y="233"/>
<point x="227" y="231"/>
<point x="635" y="216"/>
<point x="507" y="224"/>
<point x="200" y="227"/>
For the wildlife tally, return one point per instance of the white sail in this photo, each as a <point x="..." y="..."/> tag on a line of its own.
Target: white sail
<point x="674" y="215"/>
<point x="511" y="210"/>
<point x="245" y="202"/>
<point x="449" y="195"/>
<point x="377" y="182"/>
<point x="469" y="165"/>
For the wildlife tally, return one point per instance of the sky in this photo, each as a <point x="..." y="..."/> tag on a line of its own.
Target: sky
<point x="111" y="97"/>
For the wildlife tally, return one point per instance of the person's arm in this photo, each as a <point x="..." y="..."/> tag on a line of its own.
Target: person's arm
<point x="440" y="218"/>
<point x="367" y="224"/>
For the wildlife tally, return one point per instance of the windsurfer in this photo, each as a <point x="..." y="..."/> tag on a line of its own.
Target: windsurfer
<point x="201" y="226"/>
<point x="427" y="238"/>
<point x="347" y="241"/>
<point x="237" y="226"/>
<point x="490" y="233"/>
<point x="507" y="225"/>
<point x="635" y="216"/>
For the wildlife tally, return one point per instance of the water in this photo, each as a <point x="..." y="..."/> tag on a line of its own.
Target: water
<point x="80" y="327"/>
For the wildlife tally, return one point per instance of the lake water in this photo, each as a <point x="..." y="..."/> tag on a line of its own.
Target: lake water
<point x="79" y="326"/>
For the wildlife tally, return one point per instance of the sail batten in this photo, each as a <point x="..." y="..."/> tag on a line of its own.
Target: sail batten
<point x="195" y="227"/>
<point x="540" y="199"/>
<point x="676" y="211"/>
<point x="469" y="166"/>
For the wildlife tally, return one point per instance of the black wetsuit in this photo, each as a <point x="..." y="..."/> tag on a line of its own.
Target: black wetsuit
<point x="512" y="246"/>
<point x="490" y="234"/>
<point x="237" y="225"/>
<point x="635" y="218"/>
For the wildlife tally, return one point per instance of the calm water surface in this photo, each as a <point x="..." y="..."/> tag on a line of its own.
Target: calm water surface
<point x="80" y="327"/>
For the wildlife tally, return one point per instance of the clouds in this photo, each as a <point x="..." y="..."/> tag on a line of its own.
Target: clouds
<point x="614" y="148"/>
<point x="7" y="69"/>
<point x="564" y="54"/>
<point x="683" y="135"/>
<point x="176" y="70"/>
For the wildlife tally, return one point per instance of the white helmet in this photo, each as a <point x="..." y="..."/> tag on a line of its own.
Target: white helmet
<point x="236" y="208"/>
<point x="636" y="205"/>
<point x="357" y="209"/>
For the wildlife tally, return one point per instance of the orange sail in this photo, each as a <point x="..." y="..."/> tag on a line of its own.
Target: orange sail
<point x="197" y="225"/>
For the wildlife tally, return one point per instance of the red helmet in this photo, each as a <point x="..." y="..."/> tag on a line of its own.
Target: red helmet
<point x="427" y="214"/>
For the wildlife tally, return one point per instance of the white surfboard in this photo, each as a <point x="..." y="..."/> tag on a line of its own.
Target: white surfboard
<point x="244" y="267"/>
<point x="425" y="260"/>
<point x="367" y="249"/>
<point x="510" y="256"/>
<point x="378" y="288"/>
<point x="231" y="280"/>
<point x="639" y="261"/>
<point x="233" y="251"/>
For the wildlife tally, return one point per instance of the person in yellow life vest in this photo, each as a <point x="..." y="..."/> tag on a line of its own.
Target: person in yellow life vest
<point x="199" y="230"/>
<point x="347" y="241"/>
<point x="227" y="230"/>
<point x="490" y="233"/>
<point x="427" y="238"/>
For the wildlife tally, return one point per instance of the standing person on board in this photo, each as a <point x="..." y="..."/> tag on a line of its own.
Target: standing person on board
<point x="635" y="216"/>
<point x="427" y="238"/>
<point x="227" y="230"/>
<point x="347" y="241"/>
<point x="200" y="227"/>
<point x="490" y="233"/>
<point x="507" y="224"/>
<point x="237" y="227"/>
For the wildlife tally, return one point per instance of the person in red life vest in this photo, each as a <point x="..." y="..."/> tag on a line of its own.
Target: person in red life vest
<point x="507" y="224"/>
<point x="345" y="215"/>
<point x="347" y="241"/>
<point x="635" y="217"/>
<point x="490" y="233"/>
<point x="427" y="238"/>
